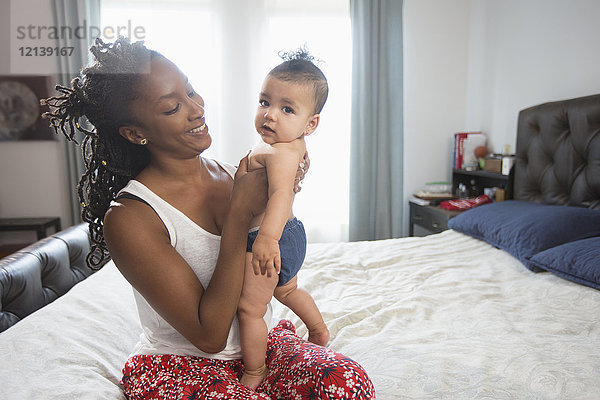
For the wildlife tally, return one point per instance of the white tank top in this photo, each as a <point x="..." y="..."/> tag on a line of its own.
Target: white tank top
<point x="200" y="249"/>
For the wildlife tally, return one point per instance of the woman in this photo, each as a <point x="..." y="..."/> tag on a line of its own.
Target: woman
<point x="175" y="224"/>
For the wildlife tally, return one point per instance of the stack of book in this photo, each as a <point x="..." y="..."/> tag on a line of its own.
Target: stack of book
<point x="464" y="146"/>
<point x="432" y="193"/>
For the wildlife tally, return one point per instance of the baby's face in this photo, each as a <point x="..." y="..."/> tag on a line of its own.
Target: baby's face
<point x="285" y="110"/>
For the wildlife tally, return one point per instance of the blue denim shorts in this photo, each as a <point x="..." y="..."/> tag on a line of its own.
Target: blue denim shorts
<point x="292" y="247"/>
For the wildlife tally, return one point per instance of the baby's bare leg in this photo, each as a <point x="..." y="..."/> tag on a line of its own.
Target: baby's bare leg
<point x="302" y="304"/>
<point x="256" y="294"/>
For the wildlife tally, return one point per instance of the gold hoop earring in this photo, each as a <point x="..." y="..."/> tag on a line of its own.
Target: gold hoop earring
<point x="144" y="141"/>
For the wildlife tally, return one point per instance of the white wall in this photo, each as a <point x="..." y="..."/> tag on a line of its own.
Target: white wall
<point x="32" y="173"/>
<point x="474" y="64"/>
<point x="4" y="35"/>
<point x="528" y="52"/>
<point x="436" y="34"/>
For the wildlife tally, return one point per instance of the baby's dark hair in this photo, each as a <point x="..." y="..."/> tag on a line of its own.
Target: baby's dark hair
<point x="298" y="67"/>
<point x="101" y="96"/>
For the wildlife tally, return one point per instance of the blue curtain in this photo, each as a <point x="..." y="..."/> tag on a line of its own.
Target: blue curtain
<point x="377" y="123"/>
<point x="73" y="13"/>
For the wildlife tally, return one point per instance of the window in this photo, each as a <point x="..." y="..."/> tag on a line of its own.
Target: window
<point x="226" y="47"/>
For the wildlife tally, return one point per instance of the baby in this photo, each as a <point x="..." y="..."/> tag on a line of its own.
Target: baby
<point x="291" y="98"/>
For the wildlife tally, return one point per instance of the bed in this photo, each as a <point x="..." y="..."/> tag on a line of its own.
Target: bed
<point x="504" y="305"/>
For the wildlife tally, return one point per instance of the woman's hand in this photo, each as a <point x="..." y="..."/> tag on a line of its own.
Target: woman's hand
<point x="301" y="172"/>
<point x="249" y="189"/>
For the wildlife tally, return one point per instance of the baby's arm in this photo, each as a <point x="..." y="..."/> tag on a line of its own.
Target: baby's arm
<point x="281" y="164"/>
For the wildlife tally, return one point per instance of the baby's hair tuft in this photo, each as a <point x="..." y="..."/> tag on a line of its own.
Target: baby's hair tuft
<point x="300" y="66"/>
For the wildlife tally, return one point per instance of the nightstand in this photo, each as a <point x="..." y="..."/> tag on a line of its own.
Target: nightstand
<point x="431" y="218"/>
<point x="38" y="224"/>
<point x="435" y="219"/>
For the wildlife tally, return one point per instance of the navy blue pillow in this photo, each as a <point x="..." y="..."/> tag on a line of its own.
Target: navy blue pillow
<point x="526" y="228"/>
<point x="577" y="261"/>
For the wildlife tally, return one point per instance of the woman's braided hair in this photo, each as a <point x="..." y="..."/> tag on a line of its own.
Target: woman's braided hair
<point x="101" y="94"/>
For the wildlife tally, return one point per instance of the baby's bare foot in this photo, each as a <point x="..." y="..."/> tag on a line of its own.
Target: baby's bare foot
<point x="253" y="378"/>
<point x="320" y="336"/>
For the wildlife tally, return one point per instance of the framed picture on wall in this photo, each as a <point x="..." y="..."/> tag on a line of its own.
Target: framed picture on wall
<point x="20" y="113"/>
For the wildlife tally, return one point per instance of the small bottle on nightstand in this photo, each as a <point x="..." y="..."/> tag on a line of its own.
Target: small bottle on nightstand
<point x="462" y="192"/>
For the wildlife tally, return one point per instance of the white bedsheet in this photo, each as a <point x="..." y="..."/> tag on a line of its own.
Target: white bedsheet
<point x="75" y="347"/>
<point x="441" y="317"/>
<point x="451" y="317"/>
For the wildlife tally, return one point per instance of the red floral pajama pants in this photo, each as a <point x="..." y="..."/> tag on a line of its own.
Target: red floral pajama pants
<point x="298" y="370"/>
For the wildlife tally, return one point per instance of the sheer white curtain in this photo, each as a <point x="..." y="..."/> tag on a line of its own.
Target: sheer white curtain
<point x="226" y="47"/>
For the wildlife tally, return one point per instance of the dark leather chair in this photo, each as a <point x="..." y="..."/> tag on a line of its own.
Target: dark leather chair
<point x="42" y="272"/>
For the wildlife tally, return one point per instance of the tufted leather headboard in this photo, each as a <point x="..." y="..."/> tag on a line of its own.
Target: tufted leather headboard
<point x="42" y="272"/>
<point x="558" y="153"/>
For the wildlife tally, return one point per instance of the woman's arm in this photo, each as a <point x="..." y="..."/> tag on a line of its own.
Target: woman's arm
<point x="140" y="246"/>
<point x="216" y="305"/>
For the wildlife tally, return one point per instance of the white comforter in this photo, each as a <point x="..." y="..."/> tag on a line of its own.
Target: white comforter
<point x="441" y="317"/>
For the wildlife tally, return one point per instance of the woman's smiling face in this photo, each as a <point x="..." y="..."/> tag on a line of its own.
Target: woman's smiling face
<point x="170" y="113"/>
